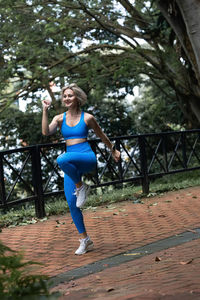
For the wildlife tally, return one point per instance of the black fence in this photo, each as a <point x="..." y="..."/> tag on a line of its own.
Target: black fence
<point x="31" y="173"/>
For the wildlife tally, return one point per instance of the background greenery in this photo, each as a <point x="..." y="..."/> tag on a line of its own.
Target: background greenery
<point x="108" y="48"/>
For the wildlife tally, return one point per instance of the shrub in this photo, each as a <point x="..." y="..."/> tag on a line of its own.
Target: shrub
<point x="16" y="283"/>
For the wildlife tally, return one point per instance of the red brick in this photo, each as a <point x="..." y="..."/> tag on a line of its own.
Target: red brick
<point x="125" y="227"/>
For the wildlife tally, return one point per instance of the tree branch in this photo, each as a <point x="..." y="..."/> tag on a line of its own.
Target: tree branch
<point x="134" y="13"/>
<point x="103" y="25"/>
<point x="69" y="56"/>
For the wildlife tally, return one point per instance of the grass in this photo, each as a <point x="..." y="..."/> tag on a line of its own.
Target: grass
<point x="176" y="181"/>
<point x="58" y="206"/>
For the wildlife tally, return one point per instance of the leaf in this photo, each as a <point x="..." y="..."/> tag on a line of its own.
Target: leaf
<point x="110" y="290"/>
<point x="151" y="195"/>
<point x="191" y="230"/>
<point x="187" y="262"/>
<point x="161" y="216"/>
<point x="157" y="258"/>
<point x="111" y="207"/>
<point x="138" y="201"/>
<point x="137" y="253"/>
<point x="44" y="219"/>
<point x="33" y="221"/>
<point x="153" y="204"/>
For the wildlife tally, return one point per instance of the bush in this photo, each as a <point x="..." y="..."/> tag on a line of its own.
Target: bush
<point x="16" y="283"/>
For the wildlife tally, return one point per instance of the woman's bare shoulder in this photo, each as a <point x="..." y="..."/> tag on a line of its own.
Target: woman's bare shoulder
<point x="88" y="118"/>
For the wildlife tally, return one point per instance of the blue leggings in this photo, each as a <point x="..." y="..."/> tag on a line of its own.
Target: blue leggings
<point x="78" y="160"/>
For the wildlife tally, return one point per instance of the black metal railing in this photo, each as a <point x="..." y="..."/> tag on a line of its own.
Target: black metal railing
<point x="31" y="173"/>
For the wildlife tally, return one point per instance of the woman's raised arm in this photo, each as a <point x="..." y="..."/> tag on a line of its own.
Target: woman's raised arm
<point x="48" y="129"/>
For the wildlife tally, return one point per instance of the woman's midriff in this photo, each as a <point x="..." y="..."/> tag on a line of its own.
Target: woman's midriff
<point x="75" y="141"/>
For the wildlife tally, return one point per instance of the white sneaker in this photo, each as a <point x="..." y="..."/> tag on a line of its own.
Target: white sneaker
<point x="81" y="195"/>
<point x="85" y="246"/>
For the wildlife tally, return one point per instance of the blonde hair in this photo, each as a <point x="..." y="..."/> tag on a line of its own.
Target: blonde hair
<point x="79" y="93"/>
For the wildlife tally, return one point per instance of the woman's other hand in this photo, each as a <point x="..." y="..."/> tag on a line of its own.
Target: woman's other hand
<point x="116" y="155"/>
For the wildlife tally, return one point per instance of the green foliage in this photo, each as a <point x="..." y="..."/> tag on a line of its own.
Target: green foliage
<point x="93" y="43"/>
<point x="25" y="126"/>
<point x="16" y="283"/>
<point x="156" y="112"/>
<point x="113" y="116"/>
<point x="175" y="182"/>
<point x="15" y="217"/>
<point x="24" y="215"/>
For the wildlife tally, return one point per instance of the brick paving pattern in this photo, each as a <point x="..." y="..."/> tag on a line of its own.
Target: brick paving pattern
<point x="115" y="229"/>
<point x="175" y="276"/>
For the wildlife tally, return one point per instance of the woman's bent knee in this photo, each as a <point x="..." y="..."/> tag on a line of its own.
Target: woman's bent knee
<point x="62" y="159"/>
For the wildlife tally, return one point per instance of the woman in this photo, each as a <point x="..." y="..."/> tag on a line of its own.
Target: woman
<point x="79" y="157"/>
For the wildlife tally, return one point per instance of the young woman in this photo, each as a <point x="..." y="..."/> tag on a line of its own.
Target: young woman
<point x="79" y="157"/>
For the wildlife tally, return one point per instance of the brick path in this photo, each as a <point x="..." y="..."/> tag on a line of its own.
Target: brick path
<point x="176" y="276"/>
<point x="115" y="229"/>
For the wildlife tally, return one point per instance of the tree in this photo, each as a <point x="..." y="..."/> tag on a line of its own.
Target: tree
<point x="183" y="17"/>
<point x="154" y="112"/>
<point x="127" y="41"/>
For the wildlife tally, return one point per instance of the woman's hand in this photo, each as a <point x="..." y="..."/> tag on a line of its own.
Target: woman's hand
<point x="116" y="155"/>
<point x="46" y="103"/>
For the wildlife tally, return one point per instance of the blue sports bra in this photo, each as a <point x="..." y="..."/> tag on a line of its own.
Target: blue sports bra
<point x="78" y="131"/>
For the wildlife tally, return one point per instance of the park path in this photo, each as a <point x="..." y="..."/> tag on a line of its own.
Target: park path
<point x="116" y="229"/>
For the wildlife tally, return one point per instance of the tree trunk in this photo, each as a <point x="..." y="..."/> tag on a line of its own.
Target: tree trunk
<point x="176" y="22"/>
<point x="190" y="10"/>
<point x="183" y="17"/>
<point x="195" y="107"/>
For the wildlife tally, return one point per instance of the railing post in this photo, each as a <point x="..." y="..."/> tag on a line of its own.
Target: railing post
<point x="2" y="183"/>
<point x="183" y="145"/>
<point x="164" y="147"/>
<point x="120" y="160"/>
<point x="37" y="182"/>
<point x="143" y="160"/>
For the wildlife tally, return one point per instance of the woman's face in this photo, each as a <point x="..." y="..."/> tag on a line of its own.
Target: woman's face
<point x="69" y="99"/>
